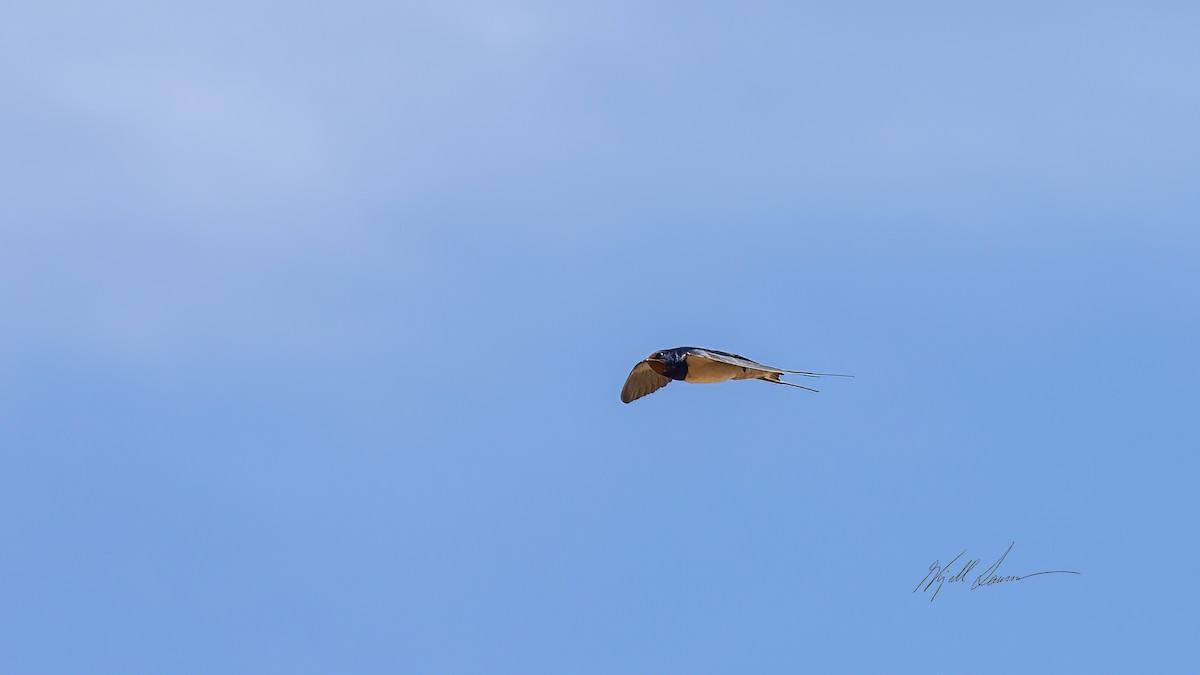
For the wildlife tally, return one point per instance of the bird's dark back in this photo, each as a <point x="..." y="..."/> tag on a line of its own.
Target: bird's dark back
<point x="675" y="362"/>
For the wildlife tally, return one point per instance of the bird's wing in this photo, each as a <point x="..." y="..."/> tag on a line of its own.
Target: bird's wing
<point x="732" y="360"/>
<point x="641" y="382"/>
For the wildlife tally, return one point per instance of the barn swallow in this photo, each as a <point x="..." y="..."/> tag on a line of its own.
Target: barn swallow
<point x="692" y="364"/>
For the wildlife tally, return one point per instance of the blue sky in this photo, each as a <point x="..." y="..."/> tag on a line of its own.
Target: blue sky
<point x="315" y="320"/>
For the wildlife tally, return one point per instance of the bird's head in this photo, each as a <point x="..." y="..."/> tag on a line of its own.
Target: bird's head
<point x="657" y="362"/>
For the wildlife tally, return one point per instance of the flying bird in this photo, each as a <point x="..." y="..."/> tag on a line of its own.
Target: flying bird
<point x="693" y="364"/>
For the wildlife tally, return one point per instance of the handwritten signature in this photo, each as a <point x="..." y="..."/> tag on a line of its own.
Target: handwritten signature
<point x="990" y="577"/>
